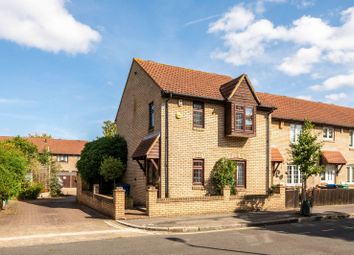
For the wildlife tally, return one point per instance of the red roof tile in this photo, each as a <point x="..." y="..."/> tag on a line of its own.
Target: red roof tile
<point x="56" y="146"/>
<point x="298" y="109"/>
<point x="215" y="86"/>
<point x="333" y="157"/>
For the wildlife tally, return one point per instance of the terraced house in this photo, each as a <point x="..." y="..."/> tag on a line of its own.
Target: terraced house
<point x="178" y="122"/>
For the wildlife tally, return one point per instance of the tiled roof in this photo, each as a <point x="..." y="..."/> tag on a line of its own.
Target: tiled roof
<point x="298" y="109"/>
<point x="215" y="86"/>
<point x="56" y="146"/>
<point x="276" y="155"/>
<point x="185" y="81"/>
<point x="333" y="157"/>
<point x="145" y="146"/>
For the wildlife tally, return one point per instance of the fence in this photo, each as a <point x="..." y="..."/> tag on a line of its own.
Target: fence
<point x="292" y="198"/>
<point x="332" y="196"/>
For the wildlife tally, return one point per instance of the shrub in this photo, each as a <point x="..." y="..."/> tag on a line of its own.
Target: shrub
<point x="30" y="191"/>
<point x="111" y="169"/>
<point x="224" y="174"/>
<point x="54" y="186"/>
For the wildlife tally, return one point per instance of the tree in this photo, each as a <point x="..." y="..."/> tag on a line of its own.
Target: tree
<point x="38" y="135"/>
<point x="306" y="155"/>
<point x="111" y="169"/>
<point x="13" y="167"/>
<point x="224" y="174"/>
<point x="109" y="128"/>
<point x="96" y="151"/>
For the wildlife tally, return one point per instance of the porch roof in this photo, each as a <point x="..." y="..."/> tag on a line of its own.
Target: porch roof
<point x="149" y="147"/>
<point x="333" y="157"/>
<point x="276" y="156"/>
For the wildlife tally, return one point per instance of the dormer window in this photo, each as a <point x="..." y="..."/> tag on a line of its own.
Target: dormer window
<point x="249" y="119"/>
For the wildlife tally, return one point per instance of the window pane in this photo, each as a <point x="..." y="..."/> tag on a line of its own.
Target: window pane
<point x="351" y="139"/>
<point x="198" y="105"/>
<point x="198" y="118"/>
<point x="296" y="176"/>
<point x="249" y="111"/>
<point x="330" y="133"/>
<point x="197" y="176"/>
<point x="151" y="115"/>
<point x="239" y="120"/>
<point x="292" y="133"/>
<point x="240" y="178"/>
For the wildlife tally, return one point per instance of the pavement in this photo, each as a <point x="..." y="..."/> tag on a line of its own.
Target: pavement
<point x="315" y="238"/>
<point x="237" y="220"/>
<point x="55" y="221"/>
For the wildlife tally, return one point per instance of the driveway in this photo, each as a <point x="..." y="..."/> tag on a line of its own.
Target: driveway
<point x="48" y="220"/>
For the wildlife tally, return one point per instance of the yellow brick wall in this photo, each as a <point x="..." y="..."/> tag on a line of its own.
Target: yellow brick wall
<point x="280" y="138"/>
<point x="132" y="123"/>
<point x="210" y="143"/>
<point x="69" y="166"/>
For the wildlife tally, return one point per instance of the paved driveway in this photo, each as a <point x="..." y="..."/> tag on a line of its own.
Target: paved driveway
<point x="52" y="220"/>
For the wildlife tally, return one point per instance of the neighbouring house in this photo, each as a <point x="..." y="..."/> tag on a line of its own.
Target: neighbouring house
<point x="65" y="152"/>
<point x="334" y="126"/>
<point x="178" y="122"/>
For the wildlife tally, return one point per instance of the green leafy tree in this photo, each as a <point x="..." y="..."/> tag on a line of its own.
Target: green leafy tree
<point x="96" y="151"/>
<point x="38" y="135"/>
<point x="109" y="128"/>
<point x="13" y="167"/>
<point x="224" y="174"/>
<point x="306" y="155"/>
<point x="111" y="169"/>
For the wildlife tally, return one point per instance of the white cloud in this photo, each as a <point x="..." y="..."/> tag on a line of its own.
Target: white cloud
<point x="336" y="82"/>
<point x="15" y="101"/>
<point x="335" y="97"/>
<point x="305" y="97"/>
<point x="302" y="62"/>
<point x="45" y="25"/>
<point x="248" y="39"/>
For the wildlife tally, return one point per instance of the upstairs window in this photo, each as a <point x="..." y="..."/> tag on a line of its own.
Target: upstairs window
<point x="244" y="118"/>
<point x="198" y="114"/>
<point x="151" y="116"/>
<point x="328" y="133"/>
<point x="198" y="171"/>
<point x="240" y="174"/>
<point x="350" y="174"/>
<point x="351" y="137"/>
<point x="295" y="131"/>
<point x="62" y="158"/>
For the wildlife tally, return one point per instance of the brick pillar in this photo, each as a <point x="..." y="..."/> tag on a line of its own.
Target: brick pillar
<point x="119" y="203"/>
<point x="282" y="196"/>
<point x="96" y="189"/>
<point x="151" y="199"/>
<point x="226" y="192"/>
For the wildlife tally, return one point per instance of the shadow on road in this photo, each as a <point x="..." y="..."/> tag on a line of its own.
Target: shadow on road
<point x="180" y="240"/>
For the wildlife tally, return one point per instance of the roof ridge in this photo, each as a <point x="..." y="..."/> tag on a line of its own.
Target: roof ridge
<point x="181" y="67"/>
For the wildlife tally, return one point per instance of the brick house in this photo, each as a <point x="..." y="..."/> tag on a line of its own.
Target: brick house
<point x="178" y="122"/>
<point x="65" y="152"/>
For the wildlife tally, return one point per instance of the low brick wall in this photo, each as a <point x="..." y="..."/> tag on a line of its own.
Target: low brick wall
<point x="110" y="206"/>
<point x="211" y="204"/>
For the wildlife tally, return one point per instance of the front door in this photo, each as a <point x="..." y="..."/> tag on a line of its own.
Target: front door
<point x="329" y="175"/>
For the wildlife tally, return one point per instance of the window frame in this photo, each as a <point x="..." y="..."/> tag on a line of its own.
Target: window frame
<point x="327" y="133"/>
<point x="151" y="116"/>
<point x="244" y="118"/>
<point x="198" y="168"/>
<point x="64" y="156"/>
<point x="292" y="176"/>
<point x="350" y="174"/>
<point x="244" y="162"/>
<point x="297" y="132"/>
<point x="202" y="110"/>
<point x="351" y="139"/>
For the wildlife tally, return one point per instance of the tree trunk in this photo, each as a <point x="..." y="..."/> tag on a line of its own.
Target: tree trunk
<point x="303" y="192"/>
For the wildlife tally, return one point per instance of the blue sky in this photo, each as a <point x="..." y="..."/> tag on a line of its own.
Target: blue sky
<point x="64" y="64"/>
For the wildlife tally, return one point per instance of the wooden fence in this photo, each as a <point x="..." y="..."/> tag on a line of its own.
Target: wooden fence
<point x="332" y="196"/>
<point x="292" y="198"/>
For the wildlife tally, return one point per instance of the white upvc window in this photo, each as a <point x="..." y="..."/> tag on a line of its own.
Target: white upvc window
<point x="350" y="174"/>
<point x="295" y="130"/>
<point x="294" y="176"/>
<point x="328" y="133"/>
<point x="62" y="158"/>
<point x="351" y="137"/>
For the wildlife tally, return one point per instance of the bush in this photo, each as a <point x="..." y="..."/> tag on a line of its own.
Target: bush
<point x="54" y="186"/>
<point x="30" y="191"/>
<point x="224" y="174"/>
<point x="111" y="169"/>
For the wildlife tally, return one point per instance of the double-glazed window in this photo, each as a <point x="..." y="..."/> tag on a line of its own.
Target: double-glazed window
<point x="351" y="137"/>
<point x="240" y="177"/>
<point x="198" y="171"/>
<point x="295" y="131"/>
<point x="244" y="118"/>
<point x="350" y="174"/>
<point x="328" y="133"/>
<point x="62" y="158"/>
<point x="198" y="114"/>
<point x="151" y="116"/>
<point x="294" y="176"/>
